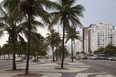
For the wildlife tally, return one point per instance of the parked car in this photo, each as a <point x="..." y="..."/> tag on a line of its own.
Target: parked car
<point x="41" y="56"/>
<point x="78" y="57"/>
<point x="103" y="58"/>
<point x="112" y="58"/>
<point x="84" y="57"/>
<point x="19" y="59"/>
<point x="47" y="56"/>
<point x="33" y="59"/>
<point x="95" y="57"/>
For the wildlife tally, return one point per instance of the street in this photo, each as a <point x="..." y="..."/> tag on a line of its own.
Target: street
<point x="78" y="68"/>
<point x="103" y="65"/>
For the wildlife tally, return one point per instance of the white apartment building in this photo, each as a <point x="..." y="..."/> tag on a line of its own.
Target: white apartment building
<point x="78" y="46"/>
<point x="115" y="38"/>
<point x="100" y="35"/>
<point x="69" y="48"/>
<point x="86" y="44"/>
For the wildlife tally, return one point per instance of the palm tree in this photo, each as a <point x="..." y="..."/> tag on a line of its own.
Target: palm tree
<point x="13" y="24"/>
<point x="53" y="39"/>
<point x="57" y="43"/>
<point x="37" y="44"/>
<point x="67" y="12"/>
<point x="33" y="8"/>
<point x="59" y="51"/>
<point x="9" y="26"/>
<point x="72" y="34"/>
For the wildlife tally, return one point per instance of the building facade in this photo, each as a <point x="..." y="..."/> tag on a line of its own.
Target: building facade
<point x="115" y="38"/>
<point x="78" y="46"/>
<point x="84" y="35"/>
<point x="99" y="35"/>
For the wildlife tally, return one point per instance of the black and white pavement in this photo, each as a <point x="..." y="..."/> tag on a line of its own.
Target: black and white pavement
<point x="47" y="68"/>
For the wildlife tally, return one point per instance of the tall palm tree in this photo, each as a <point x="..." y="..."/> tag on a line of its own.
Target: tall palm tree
<point x="59" y="51"/>
<point x="37" y="44"/>
<point x="14" y="24"/>
<point x="67" y="14"/>
<point x="57" y="43"/>
<point x="33" y="8"/>
<point x="72" y="34"/>
<point x="6" y="8"/>
<point x="53" y="39"/>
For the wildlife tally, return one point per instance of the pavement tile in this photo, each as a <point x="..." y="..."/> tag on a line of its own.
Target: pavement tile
<point x="76" y="69"/>
<point x="51" y="75"/>
<point x="7" y="74"/>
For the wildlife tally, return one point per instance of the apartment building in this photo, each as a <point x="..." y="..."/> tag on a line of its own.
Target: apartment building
<point x="115" y="38"/>
<point x="85" y="33"/>
<point x="99" y="35"/>
<point x="78" y="46"/>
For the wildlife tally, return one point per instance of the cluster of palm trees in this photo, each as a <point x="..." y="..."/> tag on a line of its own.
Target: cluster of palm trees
<point x="18" y="18"/>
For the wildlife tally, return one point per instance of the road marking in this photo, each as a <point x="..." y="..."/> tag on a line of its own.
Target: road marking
<point x="104" y="76"/>
<point x="86" y="74"/>
<point x="52" y="75"/>
<point x="97" y="75"/>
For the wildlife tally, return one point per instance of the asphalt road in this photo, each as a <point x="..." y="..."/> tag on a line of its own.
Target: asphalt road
<point x="103" y="65"/>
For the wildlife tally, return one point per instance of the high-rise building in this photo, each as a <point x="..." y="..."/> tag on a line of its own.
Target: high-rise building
<point x="69" y="48"/>
<point x="99" y="35"/>
<point x="115" y="38"/>
<point x="86" y="44"/>
<point x="78" y="46"/>
<point x="85" y="33"/>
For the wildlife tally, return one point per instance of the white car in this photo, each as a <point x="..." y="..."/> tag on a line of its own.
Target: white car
<point x="112" y="58"/>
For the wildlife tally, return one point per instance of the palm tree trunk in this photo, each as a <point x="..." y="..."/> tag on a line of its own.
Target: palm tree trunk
<point x="4" y="56"/>
<point x="53" y="55"/>
<point x="28" y="46"/>
<point x="62" y="63"/>
<point x="72" y="50"/>
<point x="8" y="56"/>
<point x="14" y="63"/>
<point x="37" y="58"/>
<point x="56" y="54"/>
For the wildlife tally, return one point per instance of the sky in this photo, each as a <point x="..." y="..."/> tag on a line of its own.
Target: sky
<point x="96" y="11"/>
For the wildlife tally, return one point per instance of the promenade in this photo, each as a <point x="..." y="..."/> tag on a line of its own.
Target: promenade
<point x="47" y="69"/>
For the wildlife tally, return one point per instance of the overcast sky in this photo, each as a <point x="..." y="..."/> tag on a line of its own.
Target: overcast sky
<point x="96" y="11"/>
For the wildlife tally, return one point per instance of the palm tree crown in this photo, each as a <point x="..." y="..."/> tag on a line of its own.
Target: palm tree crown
<point x="31" y="9"/>
<point x="67" y="14"/>
<point x="72" y="34"/>
<point x="53" y="39"/>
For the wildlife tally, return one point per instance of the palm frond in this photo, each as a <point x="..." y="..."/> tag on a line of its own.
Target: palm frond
<point x="48" y="4"/>
<point x="56" y="19"/>
<point x="75" y="21"/>
<point x="2" y="12"/>
<point x="1" y="33"/>
<point x="21" y="38"/>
